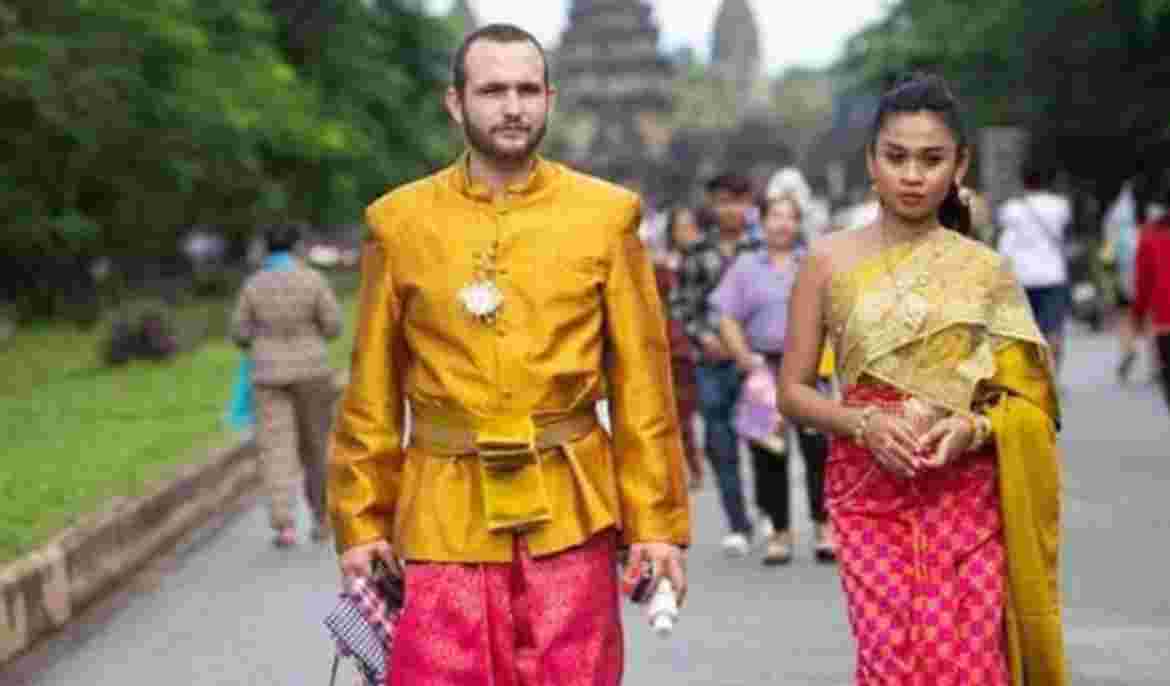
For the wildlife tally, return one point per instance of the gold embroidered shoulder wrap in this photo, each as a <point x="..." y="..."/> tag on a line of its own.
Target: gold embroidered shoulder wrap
<point x="895" y="316"/>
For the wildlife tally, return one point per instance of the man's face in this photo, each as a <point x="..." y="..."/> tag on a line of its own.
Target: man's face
<point x="731" y="209"/>
<point x="505" y="103"/>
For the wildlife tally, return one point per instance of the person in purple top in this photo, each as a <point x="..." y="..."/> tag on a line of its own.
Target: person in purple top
<point x="751" y="304"/>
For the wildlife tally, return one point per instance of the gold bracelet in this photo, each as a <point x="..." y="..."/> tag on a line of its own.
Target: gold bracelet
<point x="863" y="424"/>
<point x="982" y="431"/>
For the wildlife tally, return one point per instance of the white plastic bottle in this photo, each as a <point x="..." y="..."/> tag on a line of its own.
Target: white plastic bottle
<point x="663" y="610"/>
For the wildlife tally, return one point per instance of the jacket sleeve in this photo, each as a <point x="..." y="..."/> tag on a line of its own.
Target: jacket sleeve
<point x="366" y="453"/>
<point x="243" y="327"/>
<point x="328" y="311"/>
<point x="727" y="299"/>
<point x="647" y="444"/>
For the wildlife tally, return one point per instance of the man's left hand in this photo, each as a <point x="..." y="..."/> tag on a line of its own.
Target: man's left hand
<point x="667" y="560"/>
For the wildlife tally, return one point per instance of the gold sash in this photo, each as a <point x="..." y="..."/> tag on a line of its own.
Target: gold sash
<point x="929" y="318"/>
<point x="508" y="451"/>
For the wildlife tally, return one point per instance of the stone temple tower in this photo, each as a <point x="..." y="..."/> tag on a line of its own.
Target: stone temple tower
<point x="612" y="76"/>
<point x="736" y="54"/>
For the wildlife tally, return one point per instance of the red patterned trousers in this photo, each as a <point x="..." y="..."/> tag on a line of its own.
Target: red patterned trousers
<point x="551" y="621"/>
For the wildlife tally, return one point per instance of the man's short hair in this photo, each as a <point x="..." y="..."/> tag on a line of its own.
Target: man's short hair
<point x="496" y="33"/>
<point x="731" y="182"/>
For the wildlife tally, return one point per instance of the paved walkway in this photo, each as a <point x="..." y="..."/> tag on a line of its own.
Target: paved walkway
<point x="233" y="610"/>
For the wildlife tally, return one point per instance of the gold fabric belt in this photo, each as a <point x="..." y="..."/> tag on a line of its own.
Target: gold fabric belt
<point x="507" y="452"/>
<point x="452" y="435"/>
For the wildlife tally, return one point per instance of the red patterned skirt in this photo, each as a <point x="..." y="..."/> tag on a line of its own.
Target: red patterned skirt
<point x="923" y="565"/>
<point x="535" y="621"/>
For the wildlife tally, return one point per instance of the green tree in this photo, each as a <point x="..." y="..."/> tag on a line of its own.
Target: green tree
<point x="128" y="121"/>
<point x="1086" y="77"/>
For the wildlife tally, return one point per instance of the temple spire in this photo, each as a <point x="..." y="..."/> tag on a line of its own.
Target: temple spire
<point x="612" y="74"/>
<point x="736" y="49"/>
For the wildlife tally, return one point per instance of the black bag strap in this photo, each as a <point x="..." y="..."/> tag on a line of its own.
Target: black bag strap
<point x="336" y="664"/>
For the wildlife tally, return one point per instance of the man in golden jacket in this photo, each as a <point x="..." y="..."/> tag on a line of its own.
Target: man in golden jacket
<point x="501" y="299"/>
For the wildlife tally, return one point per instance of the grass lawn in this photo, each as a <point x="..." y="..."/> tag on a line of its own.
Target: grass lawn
<point x="76" y="433"/>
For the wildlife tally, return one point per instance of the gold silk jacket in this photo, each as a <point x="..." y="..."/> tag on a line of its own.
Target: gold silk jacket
<point x="580" y="319"/>
<point x="946" y="322"/>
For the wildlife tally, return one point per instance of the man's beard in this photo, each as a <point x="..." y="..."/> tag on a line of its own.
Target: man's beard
<point x="481" y="141"/>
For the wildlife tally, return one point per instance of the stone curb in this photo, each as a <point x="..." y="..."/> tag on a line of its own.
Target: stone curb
<point x="42" y="592"/>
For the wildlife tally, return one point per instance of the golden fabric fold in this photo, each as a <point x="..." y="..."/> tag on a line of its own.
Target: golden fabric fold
<point x="1029" y="481"/>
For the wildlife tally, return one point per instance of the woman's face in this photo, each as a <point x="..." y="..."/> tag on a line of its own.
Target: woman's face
<point x="914" y="163"/>
<point x="781" y="224"/>
<point x="685" y="230"/>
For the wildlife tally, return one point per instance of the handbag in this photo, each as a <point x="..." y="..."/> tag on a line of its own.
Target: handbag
<point x="364" y="621"/>
<point x="756" y="417"/>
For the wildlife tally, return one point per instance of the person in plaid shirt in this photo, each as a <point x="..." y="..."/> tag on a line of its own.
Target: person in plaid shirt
<point x="703" y="264"/>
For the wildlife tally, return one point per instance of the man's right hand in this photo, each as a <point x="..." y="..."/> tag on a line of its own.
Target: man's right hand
<point x="358" y="561"/>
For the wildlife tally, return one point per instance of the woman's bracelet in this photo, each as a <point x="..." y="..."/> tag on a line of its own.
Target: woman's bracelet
<point x="862" y="425"/>
<point x="982" y="431"/>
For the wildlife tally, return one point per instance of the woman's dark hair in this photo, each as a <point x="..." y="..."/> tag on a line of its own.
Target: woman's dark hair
<point x="282" y="236"/>
<point x="921" y="92"/>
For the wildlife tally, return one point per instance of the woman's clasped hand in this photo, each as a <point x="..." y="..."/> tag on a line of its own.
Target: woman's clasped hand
<point x="906" y="452"/>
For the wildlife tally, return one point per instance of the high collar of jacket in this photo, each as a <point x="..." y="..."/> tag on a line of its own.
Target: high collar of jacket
<point x="539" y="178"/>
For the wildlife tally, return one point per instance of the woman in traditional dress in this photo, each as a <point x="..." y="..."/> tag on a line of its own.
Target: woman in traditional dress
<point x="943" y="479"/>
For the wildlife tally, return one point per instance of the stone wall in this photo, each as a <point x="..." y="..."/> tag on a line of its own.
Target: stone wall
<point x="42" y="592"/>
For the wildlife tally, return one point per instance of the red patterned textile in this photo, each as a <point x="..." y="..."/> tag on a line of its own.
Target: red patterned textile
<point x="533" y="622"/>
<point x="922" y="563"/>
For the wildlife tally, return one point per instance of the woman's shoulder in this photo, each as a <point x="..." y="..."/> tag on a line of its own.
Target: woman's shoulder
<point x="740" y="268"/>
<point x="972" y="246"/>
<point x="837" y="252"/>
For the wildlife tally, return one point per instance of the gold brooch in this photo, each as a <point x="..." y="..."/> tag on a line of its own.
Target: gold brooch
<point x="482" y="298"/>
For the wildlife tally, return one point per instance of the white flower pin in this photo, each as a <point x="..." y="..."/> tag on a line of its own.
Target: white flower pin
<point x="481" y="298"/>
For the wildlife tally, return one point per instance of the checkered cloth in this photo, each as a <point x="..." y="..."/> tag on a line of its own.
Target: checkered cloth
<point x="363" y="623"/>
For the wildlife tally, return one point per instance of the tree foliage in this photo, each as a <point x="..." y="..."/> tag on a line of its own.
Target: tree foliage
<point x="1087" y="78"/>
<point x="129" y="121"/>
